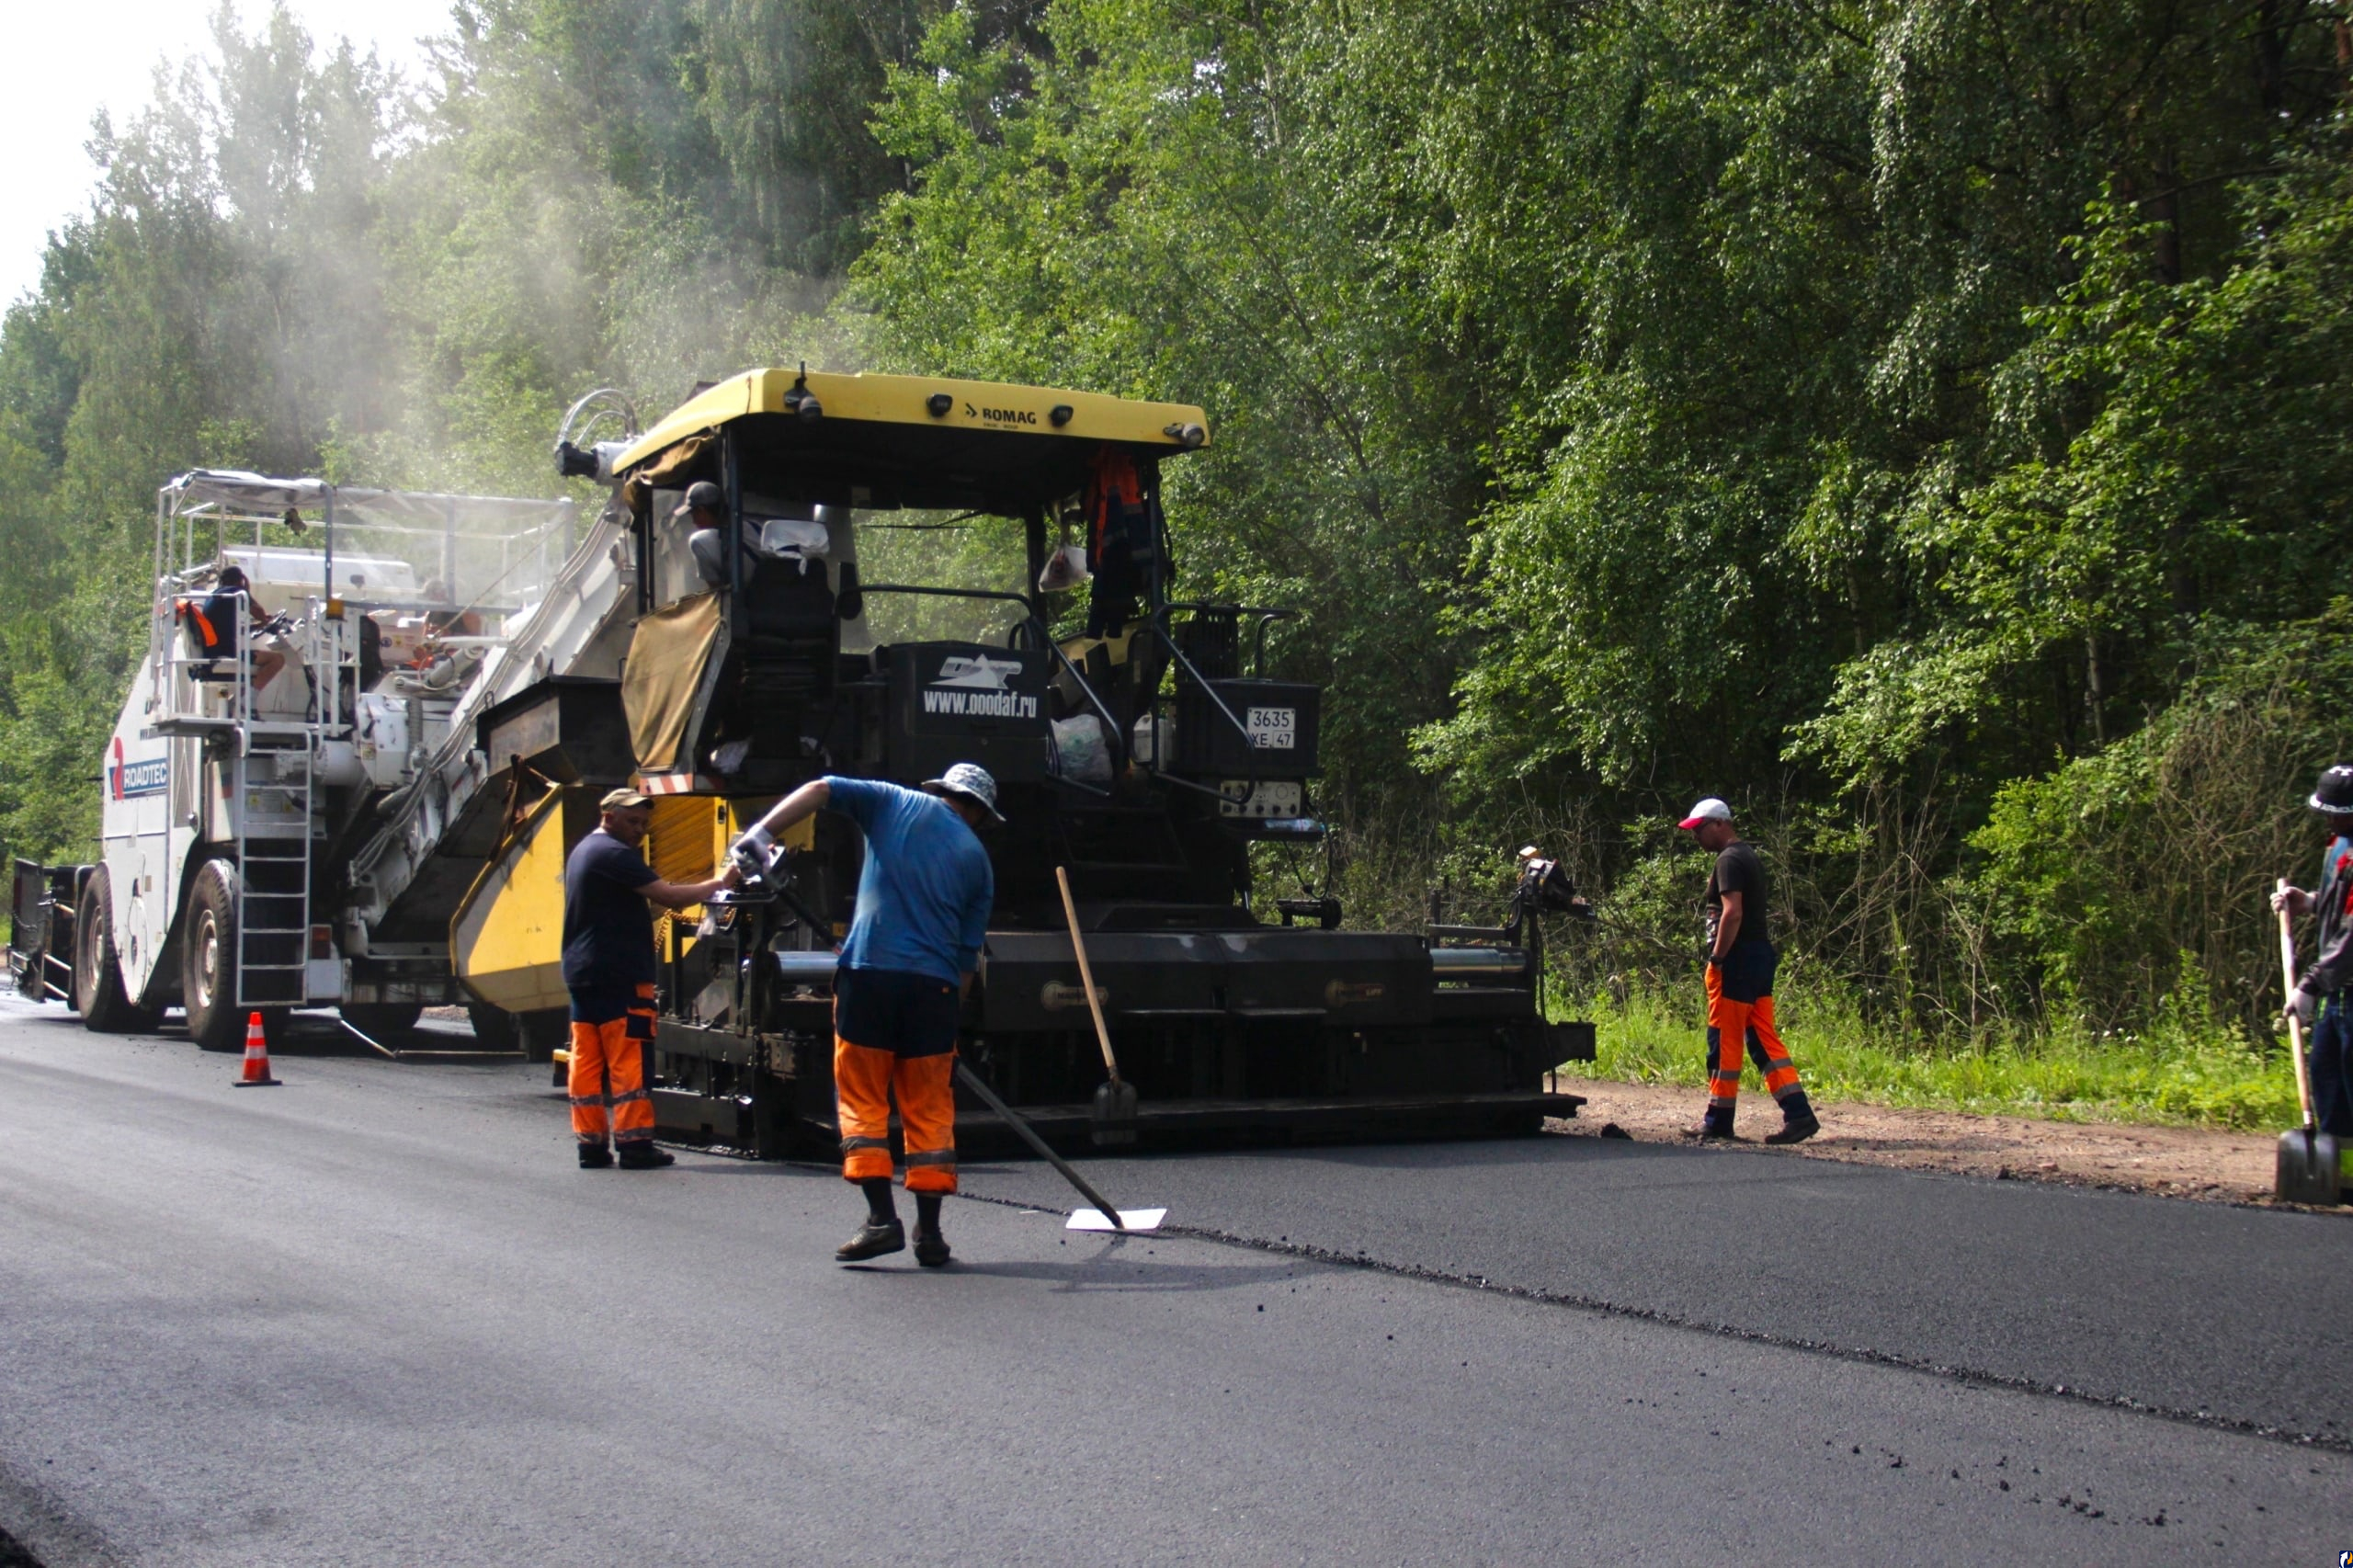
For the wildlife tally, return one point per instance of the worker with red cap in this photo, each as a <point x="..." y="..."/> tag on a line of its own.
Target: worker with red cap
<point x="1741" y="962"/>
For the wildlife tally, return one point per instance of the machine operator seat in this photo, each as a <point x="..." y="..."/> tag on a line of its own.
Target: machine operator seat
<point x="787" y="625"/>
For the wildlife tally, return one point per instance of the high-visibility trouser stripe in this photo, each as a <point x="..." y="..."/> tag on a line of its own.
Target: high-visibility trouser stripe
<point x="927" y="1110"/>
<point x="862" y="1103"/>
<point x="1771" y="1056"/>
<point x="607" y="1088"/>
<point x="1734" y="1025"/>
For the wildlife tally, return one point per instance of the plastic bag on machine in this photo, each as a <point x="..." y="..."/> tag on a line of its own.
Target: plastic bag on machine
<point x="1081" y="750"/>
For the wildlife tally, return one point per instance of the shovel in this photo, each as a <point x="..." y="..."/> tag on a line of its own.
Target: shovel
<point x="1102" y="1217"/>
<point x="2308" y="1169"/>
<point x="1115" y="1102"/>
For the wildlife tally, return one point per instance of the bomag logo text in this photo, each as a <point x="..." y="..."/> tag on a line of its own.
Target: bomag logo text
<point x="1008" y="416"/>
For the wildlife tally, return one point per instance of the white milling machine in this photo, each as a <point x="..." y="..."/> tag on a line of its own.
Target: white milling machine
<point x="302" y="842"/>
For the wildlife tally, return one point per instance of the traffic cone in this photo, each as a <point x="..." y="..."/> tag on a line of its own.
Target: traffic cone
<point x="256" y="1074"/>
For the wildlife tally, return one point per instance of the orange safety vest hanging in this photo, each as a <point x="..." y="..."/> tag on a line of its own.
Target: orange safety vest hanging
<point x="1114" y="496"/>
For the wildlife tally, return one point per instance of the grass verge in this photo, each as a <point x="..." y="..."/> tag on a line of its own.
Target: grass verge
<point x="2189" y="1070"/>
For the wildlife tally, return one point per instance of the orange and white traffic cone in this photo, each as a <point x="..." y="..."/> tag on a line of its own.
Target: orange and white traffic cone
<point x="256" y="1074"/>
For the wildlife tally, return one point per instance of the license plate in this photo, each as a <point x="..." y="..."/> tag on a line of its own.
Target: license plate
<point x="1273" y="797"/>
<point x="1273" y="729"/>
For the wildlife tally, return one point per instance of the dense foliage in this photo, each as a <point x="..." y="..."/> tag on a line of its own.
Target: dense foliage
<point x="1920" y="421"/>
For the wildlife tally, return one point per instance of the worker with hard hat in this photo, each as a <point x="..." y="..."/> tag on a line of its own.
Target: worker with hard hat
<point x="2319" y="1000"/>
<point x="705" y="507"/>
<point x="1741" y="962"/>
<point x="914" y="943"/>
<point x="610" y="970"/>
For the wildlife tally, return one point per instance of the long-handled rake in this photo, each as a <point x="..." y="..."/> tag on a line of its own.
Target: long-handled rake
<point x="1115" y="1102"/>
<point x="2308" y="1171"/>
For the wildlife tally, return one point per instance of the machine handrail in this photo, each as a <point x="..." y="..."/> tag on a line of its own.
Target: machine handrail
<point x="1266" y="616"/>
<point x="1249" y="747"/>
<point x="946" y="593"/>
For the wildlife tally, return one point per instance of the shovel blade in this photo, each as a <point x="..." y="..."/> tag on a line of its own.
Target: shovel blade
<point x="2308" y="1169"/>
<point x="1114" y="1114"/>
<point x="1131" y="1220"/>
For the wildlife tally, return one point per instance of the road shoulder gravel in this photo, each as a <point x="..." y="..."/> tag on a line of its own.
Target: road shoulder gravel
<point x="2203" y="1164"/>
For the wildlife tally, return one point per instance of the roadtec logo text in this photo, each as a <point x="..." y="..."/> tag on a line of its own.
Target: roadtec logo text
<point x="129" y="780"/>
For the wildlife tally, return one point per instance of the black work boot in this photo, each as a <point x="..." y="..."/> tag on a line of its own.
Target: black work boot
<point x="873" y="1240"/>
<point x="640" y="1154"/>
<point x="1797" y="1120"/>
<point x="931" y="1247"/>
<point x="595" y="1157"/>
<point x="1714" y="1125"/>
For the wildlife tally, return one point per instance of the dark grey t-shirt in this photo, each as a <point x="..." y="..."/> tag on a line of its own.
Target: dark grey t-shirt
<point x="1738" y="869"/>
<point x="608" y="926"/>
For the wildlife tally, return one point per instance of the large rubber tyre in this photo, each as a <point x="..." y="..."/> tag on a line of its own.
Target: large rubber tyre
<point x="99" y="994"/>
<point x="494" y="1028"/>
<point x="384" y="1022"/>
<point x="208" y="968"/>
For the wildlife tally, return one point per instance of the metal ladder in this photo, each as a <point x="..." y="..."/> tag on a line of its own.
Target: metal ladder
<point x="273" y="820"/>
<point x="274" y="824"/>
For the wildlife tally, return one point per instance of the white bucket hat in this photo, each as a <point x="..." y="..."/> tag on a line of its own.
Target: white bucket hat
<point x="970" y="780"/>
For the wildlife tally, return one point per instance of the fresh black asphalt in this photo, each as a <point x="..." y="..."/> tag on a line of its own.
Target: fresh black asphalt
<point x="2241" y="1314"/>
<point x="375" y="1317"/>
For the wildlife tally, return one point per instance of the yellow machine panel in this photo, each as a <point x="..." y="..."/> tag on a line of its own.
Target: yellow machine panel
<point x="909" y="400"/>
<point x="506" y="939"/>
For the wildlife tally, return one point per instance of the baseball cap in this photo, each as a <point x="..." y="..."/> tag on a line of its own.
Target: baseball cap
<point x="703" y="492"/>
<point x="621" y="800"/>
<point x="1708" y="809"/>
<point x="2333" y="793"/>
<point x="970" y="780"/>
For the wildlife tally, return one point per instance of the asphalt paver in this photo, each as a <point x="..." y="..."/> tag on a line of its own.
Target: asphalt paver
<point x="375" y="1316"/>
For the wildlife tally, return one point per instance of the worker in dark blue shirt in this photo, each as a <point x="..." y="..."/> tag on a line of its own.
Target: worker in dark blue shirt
<point x="216" y="625"/>
<point x="609" y="893"/>
<point x="914" y="943"/>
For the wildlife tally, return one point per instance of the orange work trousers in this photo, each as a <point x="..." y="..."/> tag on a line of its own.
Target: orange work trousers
<point x="1733" y="1026"/>
<point x="864" y="1081"/>
<point x="608" y="1084"/>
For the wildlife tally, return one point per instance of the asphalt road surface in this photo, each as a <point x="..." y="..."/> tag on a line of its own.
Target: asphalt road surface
<point x="375" y="1316"/>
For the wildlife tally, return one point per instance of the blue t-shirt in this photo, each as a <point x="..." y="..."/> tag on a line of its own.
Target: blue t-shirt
<point x="924" y="897"/>
<point x="608" y="926"/>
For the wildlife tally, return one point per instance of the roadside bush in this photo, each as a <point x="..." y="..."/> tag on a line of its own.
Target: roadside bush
<point x="2110" y="883"/>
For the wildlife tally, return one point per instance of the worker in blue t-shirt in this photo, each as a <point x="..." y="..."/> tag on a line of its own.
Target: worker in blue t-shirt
<point x="923" y="910"/>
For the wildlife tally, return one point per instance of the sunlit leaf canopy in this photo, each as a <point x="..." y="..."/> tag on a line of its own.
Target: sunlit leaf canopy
<point x="1922" y="422"/>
